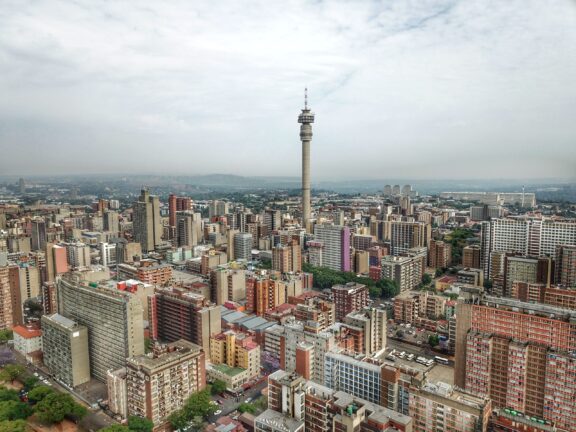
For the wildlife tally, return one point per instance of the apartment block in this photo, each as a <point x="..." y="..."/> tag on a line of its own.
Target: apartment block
<point x="471" y="257"/>
<point x="406" y="271"/>
<point x="439" y="254"/>
<point x="65" y="346"/>
<point x="113" y="319"/>
<point x="566" y="266"/>
<point x="367" y="329"/>
<point x="236" y="350"/>
<point x="519" y="355"/>
<point x="335" y="241"/>
<point x="287" y="258"/>
<point x="161" y="383"/>
<point x="349" y="298"/>
<point x="176" y="313"/>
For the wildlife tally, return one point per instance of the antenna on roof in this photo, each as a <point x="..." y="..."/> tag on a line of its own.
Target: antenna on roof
<point x="305" y="98"/>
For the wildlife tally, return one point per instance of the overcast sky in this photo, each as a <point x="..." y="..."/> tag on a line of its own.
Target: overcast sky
<point x="401" y="89"/>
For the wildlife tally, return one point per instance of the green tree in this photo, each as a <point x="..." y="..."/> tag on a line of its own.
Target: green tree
<point x="14" y="410"/>
<point x="433" y="340"/>
<point x="30" y="382"/>
<point x="426" y="279"/>
<point x="38" y="393"/>
<point x="8" y="395"/>
<point x="12" y="372"/>
<point x="375" y="292"/>
<point x="439" y="272"/>
<point x="218" y="386"/>
<point x="148" y="345"/>
<point x="13" y="426"/>
<point x="5" y="336"/>
<point x="115" y="428"/>
<point x="246" y="407"/>
<point x="140" y="424"/>
<point x="57" y="406"/>
<point x="178" y="420"/>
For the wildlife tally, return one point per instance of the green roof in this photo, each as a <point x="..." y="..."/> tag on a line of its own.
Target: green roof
<point x="230" y="371"/>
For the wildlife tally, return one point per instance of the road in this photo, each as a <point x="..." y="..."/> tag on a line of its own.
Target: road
<point x="231" y="404"/>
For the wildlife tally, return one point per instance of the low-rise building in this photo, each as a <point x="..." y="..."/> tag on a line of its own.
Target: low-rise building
<point x="28" y="342"/>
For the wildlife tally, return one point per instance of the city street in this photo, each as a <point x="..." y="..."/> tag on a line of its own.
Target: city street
<point x="230" y="404"/>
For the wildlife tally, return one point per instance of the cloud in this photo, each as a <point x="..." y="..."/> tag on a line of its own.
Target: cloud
<point x="400" y="88"/>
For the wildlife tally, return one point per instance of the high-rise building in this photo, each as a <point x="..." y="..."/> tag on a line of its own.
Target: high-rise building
<point x="177" y="204"/>
<point x="387" y="190"/>
<point x="530" y="237"/>
<point x="147" y="225"/>
<point x="439" y="254"/>
<point x="77" y="254"/>
<point x="6" y="316"/>
<point x="114" y="320"/>
<point x="21" y="185"/>
<point x="349" y="298"/>
<point x="243" y="246"/>
<point x="405" y="235"/>
<point x="287" y="258"/>
<point x="306" y="118"/>
<point x="188" y="228"/>
<point x="111" y="222"/>
<point x="406" y="271"/>
<point x="218" y="208"/>
<point x="336" y="246"/>
<point x="38" y="234"/>
<point x="227" y="285"/>
<point x="525" y="269"/>
<point x="56" y="261"/>
<point x="161" y="383"/>
<point x="237" y="350"/>
<point x="471" y="256"/>
<point x="518" y="354"/>
<point x="566" y="266"/>
<point x="177" y="314"/>
<point x="367" y="327"/>
<point x="65" y="348"/>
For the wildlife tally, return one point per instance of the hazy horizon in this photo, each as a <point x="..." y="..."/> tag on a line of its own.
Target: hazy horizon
<point x="401" y="90"/>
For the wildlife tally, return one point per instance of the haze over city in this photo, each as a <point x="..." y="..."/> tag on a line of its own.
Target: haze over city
<point x="435" y="89"/>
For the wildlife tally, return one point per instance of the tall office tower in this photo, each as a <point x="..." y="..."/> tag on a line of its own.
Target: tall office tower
<point x="349" y="298"/>
<point x="406" y="271"/>
<point x="111" y="222"/>
<point x="28" y="281"/>
<point x="22" y="185"/>
<point x="387" y="190"/>
<point x="243" y="246"/>
<point x="336" y="246"/>
<point x="218" y="208"/>
<point x="471" y="256"/>
<point x="38" y="234"/>
<point x="272" y="219"/>
<point x="287" y="258"/>
<point x="161" y="383"/>
<point x="6" y="317"/>
<point x="368" y="329"/>
<point x="65" y="348"/>
<point x="178" y="314"/>
<point x="396" y="190"/>
<point x="113" y="319"/>
<point x="147" y="225"/>
<point x="56" y="261"/>
<point x="406" y="205"/>
<point x="306" y="118"/>
<point x="518" y="354"/>
<point x="188" y="228"/>
<point x="177" y="204"/>
<point x="406" y="235"/>
<point x="407" y="190"/>
<point x="439" y="254"/>
<point x="227" y="284"/>
<point x="566" y="266"/>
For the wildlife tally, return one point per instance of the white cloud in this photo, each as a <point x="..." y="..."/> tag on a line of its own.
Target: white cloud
<point x="400" y="88"/>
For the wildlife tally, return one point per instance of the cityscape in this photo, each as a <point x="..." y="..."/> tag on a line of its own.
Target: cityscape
<point x="282" y="299"/>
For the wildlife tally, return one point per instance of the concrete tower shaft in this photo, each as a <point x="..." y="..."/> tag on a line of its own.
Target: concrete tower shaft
<point x="306" y="118"/>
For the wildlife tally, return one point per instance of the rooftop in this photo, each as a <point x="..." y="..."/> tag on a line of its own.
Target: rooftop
<point x="227" y="370"/>
<point x="279" y="421"/>
<point x="27" y="333"/>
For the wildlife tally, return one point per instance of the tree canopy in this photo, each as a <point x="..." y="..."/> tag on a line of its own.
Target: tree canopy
<point x="38" y="393"/>
<point x="198" y="405"/>
<point x="12" y="372"/>
<point x="14" y="410"/>
<point x="57" y="406"/>
<point x="326" y="278"/>
<point x="218" y="386"/>
<point x="6" y="335"/>
<point x="8" y="394"/>
<point x="246" y="407"/>
<point x="140" y="424"/>
<point x="115" y="428"/>
<point x="13" y="426"/>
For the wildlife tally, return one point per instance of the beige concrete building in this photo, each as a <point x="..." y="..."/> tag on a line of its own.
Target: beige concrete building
<point x="147" y="226"/>
<point x="65" y="345"/>
<point x="161" y="383"/>
<point x="117" y="392"/>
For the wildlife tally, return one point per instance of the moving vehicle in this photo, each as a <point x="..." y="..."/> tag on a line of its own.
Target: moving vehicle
<point x="441" y="360"/>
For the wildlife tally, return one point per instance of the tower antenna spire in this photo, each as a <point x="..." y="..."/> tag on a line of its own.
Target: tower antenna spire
<point x="306" y="98"/>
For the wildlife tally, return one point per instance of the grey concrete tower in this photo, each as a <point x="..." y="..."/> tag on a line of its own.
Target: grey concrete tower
<point x="306" y="118"/>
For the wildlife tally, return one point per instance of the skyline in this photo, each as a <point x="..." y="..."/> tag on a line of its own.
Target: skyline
<point x="446" y="89"/>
